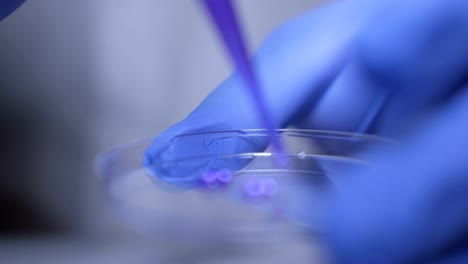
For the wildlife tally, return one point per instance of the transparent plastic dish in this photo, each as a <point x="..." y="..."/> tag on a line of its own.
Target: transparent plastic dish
<point x="229" y="184"/>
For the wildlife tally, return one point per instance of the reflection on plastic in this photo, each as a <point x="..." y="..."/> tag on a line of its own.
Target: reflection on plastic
<point x="230" y="180"/>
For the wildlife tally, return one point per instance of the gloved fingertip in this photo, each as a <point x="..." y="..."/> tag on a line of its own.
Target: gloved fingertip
<point x="160" y="141"/>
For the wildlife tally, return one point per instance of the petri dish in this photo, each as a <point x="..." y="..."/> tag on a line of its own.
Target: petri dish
<point x="229" y="185"/>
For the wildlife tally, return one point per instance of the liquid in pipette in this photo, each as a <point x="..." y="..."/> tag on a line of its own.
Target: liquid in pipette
<point x="224" y="17"/>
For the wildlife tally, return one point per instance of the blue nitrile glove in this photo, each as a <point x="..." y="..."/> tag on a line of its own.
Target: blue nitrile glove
<point x="410" y="207"/>
<point x="9" y="6"/>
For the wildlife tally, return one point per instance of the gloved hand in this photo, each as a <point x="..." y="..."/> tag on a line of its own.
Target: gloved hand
<point x="326" y="70"/>
<point x="295" y="65"/>
<point x="411" y="206"/>
<point x="9" y="6"/>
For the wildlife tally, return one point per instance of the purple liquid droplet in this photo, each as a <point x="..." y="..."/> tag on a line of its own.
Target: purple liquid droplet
<point x="209" y="177"/>
<point x="256" y="188"/>
<point x="224" y="176"/>
<point x="270" y="187"/>
<point x="252" y="188"/>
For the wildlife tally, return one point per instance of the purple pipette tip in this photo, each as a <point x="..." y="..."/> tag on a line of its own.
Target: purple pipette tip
<point x="224" y="17"/>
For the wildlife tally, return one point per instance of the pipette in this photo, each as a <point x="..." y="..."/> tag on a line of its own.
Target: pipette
<point x="224" y="17"/>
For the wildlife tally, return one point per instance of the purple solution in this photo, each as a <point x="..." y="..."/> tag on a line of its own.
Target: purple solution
<point x="223" y="15"/>
<point x="215" y="178"/>
<point x="256" y="188"/>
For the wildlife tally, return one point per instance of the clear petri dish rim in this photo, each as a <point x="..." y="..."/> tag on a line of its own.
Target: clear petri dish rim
<point x="116" y="164"/>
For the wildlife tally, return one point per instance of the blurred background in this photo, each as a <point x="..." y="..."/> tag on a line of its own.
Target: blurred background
<point x="78" y="77"/>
